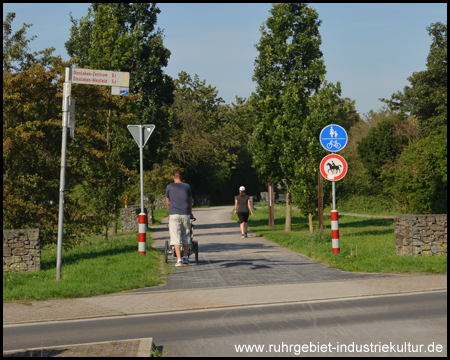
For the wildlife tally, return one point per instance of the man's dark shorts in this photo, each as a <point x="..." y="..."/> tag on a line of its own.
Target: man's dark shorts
<point x="243" y="217"/>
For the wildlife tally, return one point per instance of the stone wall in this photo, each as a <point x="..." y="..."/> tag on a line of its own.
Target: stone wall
<point x="160" y="203"/>
<point x="129" y="218"/>
<point x="21" y="250"/>
<point x="278" y="197"/>
<point x="202" y="200"/>
<point x="264" y="197"/>
<point x="421" y="235"/>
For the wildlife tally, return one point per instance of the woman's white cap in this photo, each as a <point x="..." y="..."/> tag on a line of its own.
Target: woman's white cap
<point x="242" y="188"/>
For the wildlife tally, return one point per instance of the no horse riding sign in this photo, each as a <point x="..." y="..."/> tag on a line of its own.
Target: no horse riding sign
<point x="333" y="167"/>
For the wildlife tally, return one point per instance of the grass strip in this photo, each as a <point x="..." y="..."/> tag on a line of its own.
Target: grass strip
<point x="366" y="244"/>
<point x="90" y="269"/>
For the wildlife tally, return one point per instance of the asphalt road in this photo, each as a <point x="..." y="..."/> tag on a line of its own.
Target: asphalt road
<point x="395" y="325"/>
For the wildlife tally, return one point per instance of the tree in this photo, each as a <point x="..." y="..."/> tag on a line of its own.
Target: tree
<point x="417" y="180"/>
<point x="123" y="37"/>
<point x="238" y="128"/>
<point x="381" y="146"/>
<point x="289" y="72"/>
<point x="32" y="92"/>
<point x="99" y="175"/>
<point x="324" y="107"/>
<point x="30" y="110"/>
<point x="426" y="98"/>
<point x="203" y="139"/>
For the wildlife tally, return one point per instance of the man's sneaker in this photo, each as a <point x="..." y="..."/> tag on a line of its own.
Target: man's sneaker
<point x="186" y="260"/>
<point x="179" y="263"/>
<point x="243" y="236"/>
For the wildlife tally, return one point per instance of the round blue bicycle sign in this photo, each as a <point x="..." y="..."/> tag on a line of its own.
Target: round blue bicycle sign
<point x="333" y="137"/>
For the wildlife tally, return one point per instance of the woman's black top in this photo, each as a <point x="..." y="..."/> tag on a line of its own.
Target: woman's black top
<point x="242" y="203"/>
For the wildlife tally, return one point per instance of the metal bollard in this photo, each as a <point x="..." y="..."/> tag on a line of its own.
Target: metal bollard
<point x="335" y="231"/>
<point x="142" y="233"/>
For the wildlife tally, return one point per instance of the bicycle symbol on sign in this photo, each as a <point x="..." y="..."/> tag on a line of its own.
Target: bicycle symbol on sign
<point x="333" y="137"/>
<point x="333" y="133"/>
<point x="333" y="143"/>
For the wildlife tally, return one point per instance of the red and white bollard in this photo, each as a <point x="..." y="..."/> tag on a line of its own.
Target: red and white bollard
<point x="142" y="233"/>
<point x="335" y="231"/>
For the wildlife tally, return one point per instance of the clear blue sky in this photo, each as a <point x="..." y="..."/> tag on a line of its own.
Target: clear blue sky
<point x="370" y="48"/>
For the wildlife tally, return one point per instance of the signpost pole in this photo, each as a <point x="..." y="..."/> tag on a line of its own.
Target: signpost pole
<point x="141" y="159"/>
<point x="333" y="138"/>
<point x="65" y="116"/>
<point x="141" y="133"/>
<point x="335" y="224"/>
<point x="142" y="217"/>
<point x="334" y="194"/>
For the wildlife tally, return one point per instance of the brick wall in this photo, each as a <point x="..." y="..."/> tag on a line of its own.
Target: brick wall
<point x="421" y="235"/>
<point x="21" y="250"/>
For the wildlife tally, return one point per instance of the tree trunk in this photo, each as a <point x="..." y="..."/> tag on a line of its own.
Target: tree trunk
<point x="311" y="227"/>
<point x="105" y="232"/>
<point x="288" y="226"/>
<point x="114" y="227"/>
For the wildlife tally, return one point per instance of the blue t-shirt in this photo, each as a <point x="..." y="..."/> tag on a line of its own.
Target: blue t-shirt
<point x="178" y="194"/>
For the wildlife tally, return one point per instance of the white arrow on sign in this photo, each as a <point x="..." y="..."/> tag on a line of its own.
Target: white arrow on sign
<point x="116" y="90"/>
<point x="136" y="131"/>
<point x="101" y="77"/>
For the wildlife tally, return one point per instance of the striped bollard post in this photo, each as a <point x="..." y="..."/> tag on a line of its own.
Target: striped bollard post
<point x="142" y="233"/>
<point x="335" y="231"/>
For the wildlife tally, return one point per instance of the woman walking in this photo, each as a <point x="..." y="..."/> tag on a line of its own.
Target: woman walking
<point x="242" y="207"/>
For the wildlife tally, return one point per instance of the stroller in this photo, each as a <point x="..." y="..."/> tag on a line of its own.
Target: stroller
<point x="169" y="250"/>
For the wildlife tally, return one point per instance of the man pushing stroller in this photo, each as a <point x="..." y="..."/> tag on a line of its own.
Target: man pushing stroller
<point x="179" y="204"/>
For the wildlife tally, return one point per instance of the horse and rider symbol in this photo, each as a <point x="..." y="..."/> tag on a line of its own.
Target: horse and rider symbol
<point x="335" y="169"/>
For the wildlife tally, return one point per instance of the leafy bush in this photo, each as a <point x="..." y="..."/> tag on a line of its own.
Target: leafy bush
<point x="418" y="179"/>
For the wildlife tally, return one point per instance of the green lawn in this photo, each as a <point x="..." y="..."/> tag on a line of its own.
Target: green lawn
<point x="96" y="268"/>
<point x="91" y="269"/>
<point x="366" y="244"/>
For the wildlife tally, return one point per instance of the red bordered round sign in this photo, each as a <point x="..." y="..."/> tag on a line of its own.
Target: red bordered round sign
<point x="333" y="167"/>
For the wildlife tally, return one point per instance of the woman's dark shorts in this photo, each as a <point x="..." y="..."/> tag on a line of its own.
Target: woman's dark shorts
<point x="243" y="217"/>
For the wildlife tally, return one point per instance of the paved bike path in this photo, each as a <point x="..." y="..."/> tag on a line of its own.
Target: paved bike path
<point x="226" y="260"/>
<point x="231" y="272"/>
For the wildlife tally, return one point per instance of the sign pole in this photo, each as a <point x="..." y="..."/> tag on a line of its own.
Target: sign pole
<point x="334" y="195"/>
<point x="65" y="116"/>
<point x="335" y="224"/>
<point x="142" y="217"/>
<point x="141" y="159"/>
<point x="141" y="133"/>
<point x="333" y="138"/>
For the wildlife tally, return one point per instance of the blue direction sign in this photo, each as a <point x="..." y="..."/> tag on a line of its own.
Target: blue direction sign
<point x="120" y="90"/>
<point x="333" y="137"/>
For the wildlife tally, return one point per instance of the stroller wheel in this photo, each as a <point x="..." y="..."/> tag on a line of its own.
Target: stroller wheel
<point x="195" y="245"/>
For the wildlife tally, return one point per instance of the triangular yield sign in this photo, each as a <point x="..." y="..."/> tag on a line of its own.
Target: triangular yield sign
<point x="135" y="130"/>
<point x="148" y="129"/>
